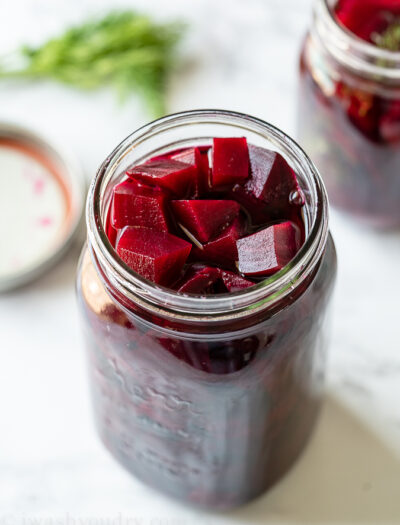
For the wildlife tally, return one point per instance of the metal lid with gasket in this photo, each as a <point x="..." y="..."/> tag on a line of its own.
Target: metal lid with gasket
<point x="42" y="192"/>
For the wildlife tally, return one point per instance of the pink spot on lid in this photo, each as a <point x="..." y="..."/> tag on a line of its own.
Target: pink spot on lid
<point x="38" y="186"/>
<point x="45" y="221"/>
<point x="38" y="183"/>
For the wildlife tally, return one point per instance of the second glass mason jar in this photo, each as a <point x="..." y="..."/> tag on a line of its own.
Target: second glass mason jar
<point x="349" y="118"/>
<point x="208" y="399"/>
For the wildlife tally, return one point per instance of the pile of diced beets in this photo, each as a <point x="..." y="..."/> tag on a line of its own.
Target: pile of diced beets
<point x="208" y="220"/>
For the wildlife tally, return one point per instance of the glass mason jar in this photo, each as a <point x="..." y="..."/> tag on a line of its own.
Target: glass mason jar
<point x="349" y="118"/>
<point x="208" y="399"/>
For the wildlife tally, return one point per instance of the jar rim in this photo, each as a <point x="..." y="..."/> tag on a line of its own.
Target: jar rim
<point x="352" y="51"/>
<point x="166" y="302"/>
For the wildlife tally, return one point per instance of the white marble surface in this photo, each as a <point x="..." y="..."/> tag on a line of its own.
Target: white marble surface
<point x="242" y="56"/>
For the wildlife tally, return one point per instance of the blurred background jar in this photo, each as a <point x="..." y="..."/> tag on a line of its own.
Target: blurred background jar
<point x="349" y="117"/>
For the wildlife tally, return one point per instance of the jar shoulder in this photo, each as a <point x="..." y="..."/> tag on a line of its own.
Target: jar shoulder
<point x="98" y="305"/>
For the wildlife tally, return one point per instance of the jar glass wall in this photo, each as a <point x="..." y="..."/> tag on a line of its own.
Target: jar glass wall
<point x="349" y="118"/>
<point x="208" y="399"/>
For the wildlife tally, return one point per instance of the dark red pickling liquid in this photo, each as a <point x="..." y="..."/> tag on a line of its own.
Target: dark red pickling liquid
<point x="208" y="220"/>
<point x="213" y="414"/>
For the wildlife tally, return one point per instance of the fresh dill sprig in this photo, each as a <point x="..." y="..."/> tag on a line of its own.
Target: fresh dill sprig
<point x="390" y="38"/>
<point x="124" y="49"/>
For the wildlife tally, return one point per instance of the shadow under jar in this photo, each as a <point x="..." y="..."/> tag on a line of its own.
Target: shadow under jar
<point x="207" y="399"/>
<point x="349" y="118"/>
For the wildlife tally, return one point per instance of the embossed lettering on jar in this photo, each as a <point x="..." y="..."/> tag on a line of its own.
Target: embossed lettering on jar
<point x="207" y="399"/>
<point x="348" y="105"/>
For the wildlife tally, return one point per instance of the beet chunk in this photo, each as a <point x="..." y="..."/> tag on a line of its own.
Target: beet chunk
<point x="267" y="251"/>
<point x="205" y="219"/>
<point x="367" y="19"/>
<point x="197" y="157"/>
<point x="136" y="204"/>
<point x="272" y="188"/>
<point x="177" y="177"/>
<point x="230" y="161"/>
<point x="222" y="250"/>
<point x="354" y="14"/>
<point x="199" y="280"/>
<point x="233" y="282"/>
<point x="111" y="232"/>
<point x="157" y="256"/>
<point x="362" y="109"/>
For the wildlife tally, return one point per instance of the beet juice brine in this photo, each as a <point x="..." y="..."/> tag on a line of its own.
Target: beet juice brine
<point x="349" y="105"/>
<point x="204" y="292"/>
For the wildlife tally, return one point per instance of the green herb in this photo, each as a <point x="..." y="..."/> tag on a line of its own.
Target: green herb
<point x="124" y="49"/>
<point x="390" y="38"/>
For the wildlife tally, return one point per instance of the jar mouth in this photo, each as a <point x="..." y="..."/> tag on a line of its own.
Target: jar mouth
<point x="164" y="301"/>
<point x="350" y="50"/>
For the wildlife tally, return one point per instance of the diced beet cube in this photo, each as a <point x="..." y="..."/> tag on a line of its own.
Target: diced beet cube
<point x="367" y="18"/>
<point x="267" y="251"/>
<point x="135" y="204"/>
<point x="157" y="256"/>
<point x="352" y="14"/>
<point x="199" y="158"/>
<point x="374" y="25"/>
<point x="111" y="232"/>
<point x="177" y="177"/>
<point x="205" y="219"/>
<point x="272" y="179"/>
<point x="364" y="112"/>
<point x="204" y="172"/>
<point x="199" y="280"/>
<point x="222" y="250"/>
<point x="230" y="161"/>
<point x="272" y="188"/>
<point x="233" y="282"/>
